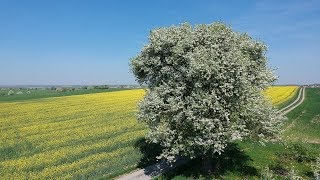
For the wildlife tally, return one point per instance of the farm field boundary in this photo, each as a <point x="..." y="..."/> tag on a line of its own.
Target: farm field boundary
<point x="295" y="103"/>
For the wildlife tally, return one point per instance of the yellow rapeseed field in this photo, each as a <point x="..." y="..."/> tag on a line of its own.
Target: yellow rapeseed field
<point x="280" y="94"/>
<point x="77" y="136"/>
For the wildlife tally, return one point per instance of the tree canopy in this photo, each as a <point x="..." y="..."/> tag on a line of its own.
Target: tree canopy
<point x="205" y="88"/>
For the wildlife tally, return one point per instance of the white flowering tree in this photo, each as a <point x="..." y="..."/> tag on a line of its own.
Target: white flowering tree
<point x="204" y="91"/>
<point x="11" y="92"/>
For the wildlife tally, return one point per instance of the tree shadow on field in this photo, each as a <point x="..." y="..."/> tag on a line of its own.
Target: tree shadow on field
<point x="149" y="152"/>
<point x="233" y="160"/>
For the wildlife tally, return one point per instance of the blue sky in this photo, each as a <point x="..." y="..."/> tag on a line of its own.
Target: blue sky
<point x="90" y="42"/>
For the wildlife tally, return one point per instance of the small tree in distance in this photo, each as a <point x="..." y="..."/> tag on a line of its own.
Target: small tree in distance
<point x="204" y="91"/>
<point x="11" y="92"/>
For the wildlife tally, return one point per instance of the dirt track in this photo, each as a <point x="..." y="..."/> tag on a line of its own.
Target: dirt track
<point x="295" y="103"/>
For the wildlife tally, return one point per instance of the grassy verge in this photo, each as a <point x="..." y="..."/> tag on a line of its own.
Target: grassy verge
<point x="251" y="160"/>
<point x="304" y="121"/>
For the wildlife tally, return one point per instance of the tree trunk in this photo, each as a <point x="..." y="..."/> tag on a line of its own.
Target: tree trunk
<point x="207" y="165"/>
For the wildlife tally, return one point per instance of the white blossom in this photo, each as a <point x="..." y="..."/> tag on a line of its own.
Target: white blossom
<point x="205" y="88"/>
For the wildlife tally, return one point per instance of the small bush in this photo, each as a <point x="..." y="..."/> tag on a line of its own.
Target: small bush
<point x="60" y="89"/>
<point x="266" y="174"/>
<point x="11" y="92"/>
<point x="300" y="154"/>
<point x="316" y="169"/>
<point x="296" y="152"/>
<point x="19" y="92"/>
<point x="278" y="168"/>
<point x="293" y="175"/>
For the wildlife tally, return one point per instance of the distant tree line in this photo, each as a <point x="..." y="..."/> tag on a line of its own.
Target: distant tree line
<point x="9" y="91"/>
<point x="101" y="87"/>
<point x="65" y="89"/>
